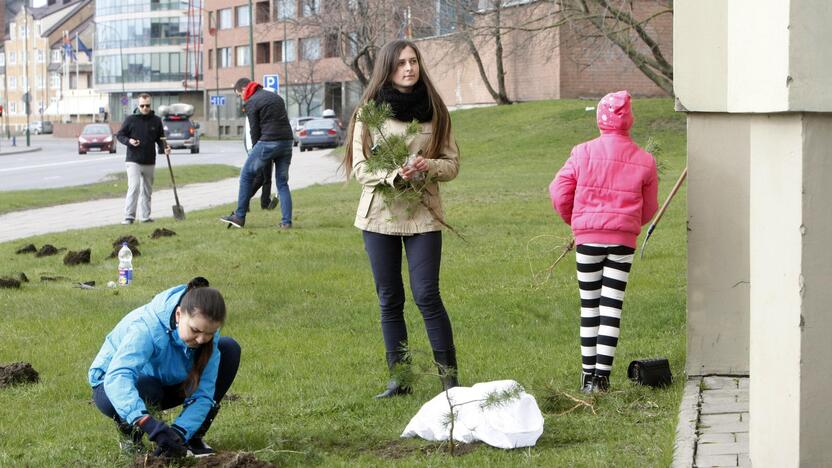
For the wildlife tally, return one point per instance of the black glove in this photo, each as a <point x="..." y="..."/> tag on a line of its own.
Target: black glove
<point x="169" y="443"/>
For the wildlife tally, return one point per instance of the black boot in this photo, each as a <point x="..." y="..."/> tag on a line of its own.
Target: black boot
<point x="398" y="362"/>
<point x="446" y="363"/>
<point x="586" y="382"/>
<point x="196" y="446"/>
<point x="600" y="383"/>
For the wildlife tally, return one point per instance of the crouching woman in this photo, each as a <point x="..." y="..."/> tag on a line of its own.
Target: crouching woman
<point x="165" y="354"/>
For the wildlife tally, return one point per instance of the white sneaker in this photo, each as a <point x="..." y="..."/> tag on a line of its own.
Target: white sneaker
<point x="127" y="221"/>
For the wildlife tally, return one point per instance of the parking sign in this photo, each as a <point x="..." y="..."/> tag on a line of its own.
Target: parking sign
<point x="271" y="82"/>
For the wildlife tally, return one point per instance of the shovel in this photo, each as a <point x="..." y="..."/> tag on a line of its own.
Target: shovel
<point x="178" y="210"/>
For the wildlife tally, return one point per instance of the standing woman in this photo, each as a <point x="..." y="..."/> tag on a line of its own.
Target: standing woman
<point x="399" y="79"/>
<point x="165" y="354"/>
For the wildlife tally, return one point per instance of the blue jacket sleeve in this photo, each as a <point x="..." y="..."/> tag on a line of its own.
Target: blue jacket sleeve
<point x="196" y="407"/>
<point x="120" y="381"/>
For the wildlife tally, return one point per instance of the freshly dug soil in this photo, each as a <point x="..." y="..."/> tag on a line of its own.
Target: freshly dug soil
<point x="27" y="249"/>
<point x="162" y="233"/>
<point x="16" y="373"/>
<point x="53" y="278"/>
<point x="22" y="277"/>
<point x="218" y="460"/>
<point x="132" y="242"/>
<point x="46" y="250"/>
<point x="77" y="258"/>
<point x="9" y="283"/>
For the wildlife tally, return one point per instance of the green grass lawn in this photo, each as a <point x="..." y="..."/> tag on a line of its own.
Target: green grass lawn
<point x="302" y="304"/>
<point x="115" y="185"/>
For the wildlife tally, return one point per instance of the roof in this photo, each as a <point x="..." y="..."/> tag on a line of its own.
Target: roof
<point x="43" y="12"/>
<point x="78" y="6"/>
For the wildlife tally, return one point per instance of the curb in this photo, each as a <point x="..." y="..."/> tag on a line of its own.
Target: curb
<point x="684" y="449"/>
<point x="30" y="149"/>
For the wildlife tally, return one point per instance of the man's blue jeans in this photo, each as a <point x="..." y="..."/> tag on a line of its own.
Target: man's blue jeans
<point x="267" y="152"/>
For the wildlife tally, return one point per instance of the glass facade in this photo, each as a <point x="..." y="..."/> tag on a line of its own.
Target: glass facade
<point x="143" y="68"/>
<point x="117" y="7"/>
<point x="144" y="32"/>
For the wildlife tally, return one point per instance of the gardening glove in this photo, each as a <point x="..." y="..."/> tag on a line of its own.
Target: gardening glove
<point x="169" y="442"/>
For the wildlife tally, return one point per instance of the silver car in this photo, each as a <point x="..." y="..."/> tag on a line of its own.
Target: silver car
<point x="321" y="133"/>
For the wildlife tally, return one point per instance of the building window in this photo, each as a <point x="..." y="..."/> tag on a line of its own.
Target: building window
<point x="12" y="58"/>
<point x="262" y="52"/>
<point x="225" y="18"/>
<point x="311" y="7"/>
<point x="289" y="51"/>
<point x="243" y="56"/>
<point x="41" y="56"/>
<point x="56" y="56"/>
<point x="224" y="57"/>
<point x="2" y="59"/>
<point x="12" y="31"/>
<point x="41" y="82"/>
<point x="285" y="9"/>
<point x="13" y="107"/>
<point x="242" y="15"/>
<point x="310" y="48"/>
<point x="39" y="28"/>
<point x="55" y="81"/>
<point x="261" y="13"/>
<point x="12" y="82"/>
<point x="331" y="48"/>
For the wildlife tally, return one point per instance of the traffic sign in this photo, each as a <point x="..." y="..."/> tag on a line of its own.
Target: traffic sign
<point x="217" y="100"/>
<point x="124" y="101"/>
<point x="271" y="82"/>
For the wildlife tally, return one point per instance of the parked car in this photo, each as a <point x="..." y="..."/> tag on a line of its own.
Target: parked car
<point x="180" y="131"/>
<point x="297" y="124"/>
<point x="96" y="137"/>
<point x="40" y="126"/>
<point x="320" y="133"/>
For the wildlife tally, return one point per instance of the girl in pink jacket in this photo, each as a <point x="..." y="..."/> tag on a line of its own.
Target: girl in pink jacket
<point x="606" y="191"/>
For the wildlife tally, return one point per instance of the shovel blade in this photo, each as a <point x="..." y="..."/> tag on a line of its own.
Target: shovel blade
<point x="178" y="212"/>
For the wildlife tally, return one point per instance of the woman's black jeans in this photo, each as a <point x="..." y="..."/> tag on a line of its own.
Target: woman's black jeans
<point x="153" y="393"/>
<point x="424" y="255"/>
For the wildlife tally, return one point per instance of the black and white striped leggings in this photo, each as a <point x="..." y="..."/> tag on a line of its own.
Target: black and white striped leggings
<point x="602" y="278"/>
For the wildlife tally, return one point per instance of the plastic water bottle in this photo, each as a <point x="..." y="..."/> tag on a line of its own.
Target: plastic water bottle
<point x="125" y="265"/>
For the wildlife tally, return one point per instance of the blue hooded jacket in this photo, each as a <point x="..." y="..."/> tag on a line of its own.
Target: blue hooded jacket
<point x="143" y="343"/>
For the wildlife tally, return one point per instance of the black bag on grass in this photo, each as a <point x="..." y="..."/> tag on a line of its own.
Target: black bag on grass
<point x="652" y="372"/>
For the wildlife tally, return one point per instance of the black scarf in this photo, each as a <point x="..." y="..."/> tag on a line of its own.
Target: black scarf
<point x="407" y="106"/>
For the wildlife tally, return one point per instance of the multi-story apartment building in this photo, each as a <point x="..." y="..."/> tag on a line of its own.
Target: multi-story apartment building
<point x="151" y="46"/>
<point x="28" y="74"/>
<point x="287" y="42"/>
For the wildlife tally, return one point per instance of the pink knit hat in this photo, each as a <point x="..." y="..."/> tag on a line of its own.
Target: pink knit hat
<point x="615" y="114"/>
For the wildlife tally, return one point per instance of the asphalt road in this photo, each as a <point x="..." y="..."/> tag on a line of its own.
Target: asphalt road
<point x="58" y="164"/>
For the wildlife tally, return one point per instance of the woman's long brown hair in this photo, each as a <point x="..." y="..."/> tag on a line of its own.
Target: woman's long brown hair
<point x="386" y="62"/>
<point x="207" y="302"/>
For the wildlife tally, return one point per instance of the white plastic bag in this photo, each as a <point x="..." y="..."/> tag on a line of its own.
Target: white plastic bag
<point x="512" y="424"/>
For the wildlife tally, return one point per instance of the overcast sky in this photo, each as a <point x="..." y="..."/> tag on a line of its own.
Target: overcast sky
<point x="38" y="3"/>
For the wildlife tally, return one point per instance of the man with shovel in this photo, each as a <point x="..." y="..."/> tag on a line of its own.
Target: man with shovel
<point x="141" y="133"/>
<point x="272" y="140"/>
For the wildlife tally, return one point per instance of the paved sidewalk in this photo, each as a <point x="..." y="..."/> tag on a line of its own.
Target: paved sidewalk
<point x="6" y="148"/>
<point x="713" y="423"/>
<point x="306" y="169"/>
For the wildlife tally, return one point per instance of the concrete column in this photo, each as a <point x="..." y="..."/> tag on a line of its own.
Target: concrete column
<point x="754" y="77"/>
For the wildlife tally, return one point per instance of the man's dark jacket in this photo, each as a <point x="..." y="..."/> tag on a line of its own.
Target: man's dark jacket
<point x="266" y="113"/>
<point x="148" y="130"/>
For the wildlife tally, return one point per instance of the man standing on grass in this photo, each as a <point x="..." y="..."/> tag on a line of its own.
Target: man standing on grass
<point x="271" y="138"/>
<point x="141" y="133"/>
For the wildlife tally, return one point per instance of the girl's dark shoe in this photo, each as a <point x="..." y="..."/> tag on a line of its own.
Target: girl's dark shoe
<point x="446" y="362"/>
<point x="394" y="389"/>
<point x="600" y="384"/>
<point x="586" y="382"/>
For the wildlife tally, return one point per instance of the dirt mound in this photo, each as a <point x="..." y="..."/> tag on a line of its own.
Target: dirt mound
<point x="218" y="460"/>
<point x="27" y="249"/>
<point x="132" y="242"/>
<point x="9" y="283"/>
<point x="162" y="233"/>
<point x="16" y="373"/>
<point x="77" y="258"/>
<point x="47" y="278"/>
<point x="46" y="250"/>
<point x="22" y="277"/>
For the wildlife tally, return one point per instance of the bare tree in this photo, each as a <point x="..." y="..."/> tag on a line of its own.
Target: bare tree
<point x="619" y="22"/>
<point x="480" y="36"/>
<point x="361" y="27"/>
<point x="307" y="88"/>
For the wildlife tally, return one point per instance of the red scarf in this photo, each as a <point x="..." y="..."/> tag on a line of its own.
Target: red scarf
<point x="250" y="89"/>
